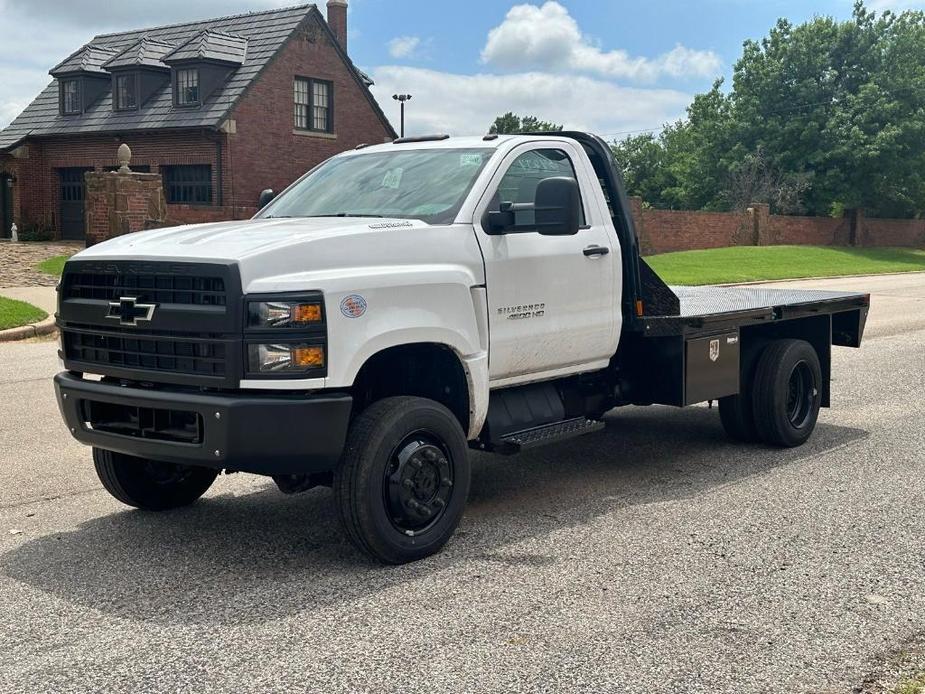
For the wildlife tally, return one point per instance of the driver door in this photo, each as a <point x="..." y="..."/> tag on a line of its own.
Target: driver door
<point x="551" y="299"/>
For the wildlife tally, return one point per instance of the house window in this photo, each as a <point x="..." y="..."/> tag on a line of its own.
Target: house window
<point x="188" y="87"/>
<point x="313" y="105"/>
<point x="126" y="93"/>
<point x="70" y="96"/>
<point x="191" y="185"/>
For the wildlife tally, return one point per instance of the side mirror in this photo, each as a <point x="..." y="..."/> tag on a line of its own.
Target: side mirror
<point x="500" y="221"/>
<point x="265" y="197"/>
<point x="557" y="206"/>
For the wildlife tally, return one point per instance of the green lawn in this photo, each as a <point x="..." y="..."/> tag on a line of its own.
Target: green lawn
<point x="53" y="266"/>
<point x="751" y="263"/>
<point x="15" y="313"/>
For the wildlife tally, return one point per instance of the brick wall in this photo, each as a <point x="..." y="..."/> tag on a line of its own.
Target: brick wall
<point x="892" y="232"/>
<point x="266" y="150"/>
<point x="666" y="231"/>
<point x="814" y="231"/>
<point x="38" y="173"/>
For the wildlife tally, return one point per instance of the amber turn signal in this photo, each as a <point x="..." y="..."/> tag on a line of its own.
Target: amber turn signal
<point x="306" y="313"/>
<point x="308" y="357"/>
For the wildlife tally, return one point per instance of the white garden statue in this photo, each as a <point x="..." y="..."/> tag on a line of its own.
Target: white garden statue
<point x="14" y="233"/>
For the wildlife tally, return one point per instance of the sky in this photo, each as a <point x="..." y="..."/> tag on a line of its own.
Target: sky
<point x="611" y="66"/>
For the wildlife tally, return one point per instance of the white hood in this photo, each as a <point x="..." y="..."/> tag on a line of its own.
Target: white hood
<point x="231" y="241"/>
<point x="270" y="250"/>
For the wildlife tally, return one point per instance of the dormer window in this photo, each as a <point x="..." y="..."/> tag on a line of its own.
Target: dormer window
<point x="126" y="92"/>
<point x="187" y="93"/>
<point x="70" y="97"/>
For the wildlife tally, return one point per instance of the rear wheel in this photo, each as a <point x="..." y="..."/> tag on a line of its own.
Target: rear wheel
<point x="150" y="484"/>
<point x="787" y="393"/>
<point x="403" y="480"/>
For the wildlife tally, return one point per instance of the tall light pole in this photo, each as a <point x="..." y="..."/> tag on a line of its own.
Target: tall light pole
<point x="402" y="98"/>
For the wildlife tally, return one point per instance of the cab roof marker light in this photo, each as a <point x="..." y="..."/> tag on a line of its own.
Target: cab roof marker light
<point x="421" y="138"/>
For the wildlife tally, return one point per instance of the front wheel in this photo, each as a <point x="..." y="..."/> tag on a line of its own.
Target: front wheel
<point x="150" y="484"/>
<point x="403" y="480"/>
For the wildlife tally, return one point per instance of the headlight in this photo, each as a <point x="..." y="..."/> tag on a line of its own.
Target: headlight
<point x="284" y="314"/>
<point x="284" y="358"/>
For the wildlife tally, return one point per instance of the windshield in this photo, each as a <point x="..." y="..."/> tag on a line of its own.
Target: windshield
<point x="425" y="184"/>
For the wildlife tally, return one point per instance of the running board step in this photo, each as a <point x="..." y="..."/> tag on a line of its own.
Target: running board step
<point x="547" y="433"/>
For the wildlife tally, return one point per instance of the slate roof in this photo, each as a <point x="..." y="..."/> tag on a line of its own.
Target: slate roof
<point x="147" y="52"/>
<point x="264" y="34"/>
<point x="211" y="45"/>
<point x="89" y="58"/>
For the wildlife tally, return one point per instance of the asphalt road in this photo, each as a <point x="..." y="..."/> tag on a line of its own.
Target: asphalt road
<point x="652" y="557"/>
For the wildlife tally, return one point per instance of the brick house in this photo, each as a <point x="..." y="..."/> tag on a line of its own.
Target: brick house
<point x="222" y="109"/>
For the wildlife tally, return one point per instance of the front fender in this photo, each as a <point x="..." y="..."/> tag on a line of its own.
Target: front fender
<point x="438" y="313"/>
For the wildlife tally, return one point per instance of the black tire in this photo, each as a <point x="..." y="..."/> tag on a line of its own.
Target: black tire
<point x="735" y="412"/>
<point x="402" y="483"/>
<point x="149" y="484"/>
<point x="787" y="393"/>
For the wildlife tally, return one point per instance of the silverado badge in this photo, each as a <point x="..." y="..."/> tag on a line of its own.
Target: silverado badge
<point x="128" y="311"/>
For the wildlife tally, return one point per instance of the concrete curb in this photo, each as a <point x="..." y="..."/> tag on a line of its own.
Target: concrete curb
<point x="827" y="277"/>
<point x="24" y="332"/>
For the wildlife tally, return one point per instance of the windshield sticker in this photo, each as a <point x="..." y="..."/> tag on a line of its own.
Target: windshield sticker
<point x="470" y="160"/>
<point x="392" y="178"/>
<point x="353" y="306"/>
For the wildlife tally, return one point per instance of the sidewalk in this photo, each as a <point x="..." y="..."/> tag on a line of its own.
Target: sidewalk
<point x="46" y="298"/>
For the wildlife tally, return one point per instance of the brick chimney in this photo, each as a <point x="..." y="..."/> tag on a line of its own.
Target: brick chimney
<point x="337" y="20"/>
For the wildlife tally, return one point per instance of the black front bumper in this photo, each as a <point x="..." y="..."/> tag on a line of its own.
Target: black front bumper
<point x="264" y="434"/>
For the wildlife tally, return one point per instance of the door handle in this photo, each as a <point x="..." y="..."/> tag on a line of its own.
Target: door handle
<point x="592" y="251"/>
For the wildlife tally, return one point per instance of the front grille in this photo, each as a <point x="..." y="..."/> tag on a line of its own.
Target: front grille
<point x="192" y="336"/>
<point x="157" y="287"/>
<point x="166" y="354"/>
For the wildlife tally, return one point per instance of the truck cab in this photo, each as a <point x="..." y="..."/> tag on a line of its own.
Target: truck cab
<point x="399" y="304"/>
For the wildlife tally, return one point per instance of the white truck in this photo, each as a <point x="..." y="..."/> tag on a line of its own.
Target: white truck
<point x="399" y="304"/>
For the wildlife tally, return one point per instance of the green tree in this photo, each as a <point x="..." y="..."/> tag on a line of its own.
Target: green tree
<point x="511" y="123"/>
<point x="820" y="117"/>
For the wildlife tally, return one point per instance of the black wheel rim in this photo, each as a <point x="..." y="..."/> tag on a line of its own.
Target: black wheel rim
<point x="801" y="394"/>
<point x="418" y="483"/>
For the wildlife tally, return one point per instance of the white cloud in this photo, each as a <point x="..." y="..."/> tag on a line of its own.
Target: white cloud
<point x="547" y="37"/>
<point x="404" y="46"/>
<point x="468" y="104"/>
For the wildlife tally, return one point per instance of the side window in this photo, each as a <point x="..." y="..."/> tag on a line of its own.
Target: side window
<point x="520" y="182"/>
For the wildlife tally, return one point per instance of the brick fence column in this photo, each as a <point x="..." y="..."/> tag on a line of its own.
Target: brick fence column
<point x="760" y="215"/>
<point x="856" y="227"/>
<point x="119" y="203"/>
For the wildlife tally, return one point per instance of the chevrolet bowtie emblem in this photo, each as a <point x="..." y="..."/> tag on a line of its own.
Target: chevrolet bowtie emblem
<point x="128" y="311"/>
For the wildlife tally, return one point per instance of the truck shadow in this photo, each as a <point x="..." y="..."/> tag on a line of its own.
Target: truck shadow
<point x="262" y="556"/>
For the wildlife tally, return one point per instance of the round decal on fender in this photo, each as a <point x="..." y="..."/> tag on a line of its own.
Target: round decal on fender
<point x="353" y="306"/>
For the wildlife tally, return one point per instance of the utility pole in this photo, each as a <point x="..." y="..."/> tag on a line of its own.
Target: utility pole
<point x="402" y="98"/>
